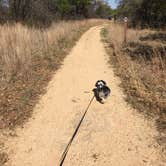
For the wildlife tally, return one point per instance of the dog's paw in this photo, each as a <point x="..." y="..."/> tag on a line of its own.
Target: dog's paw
<point x="103" y="101"/>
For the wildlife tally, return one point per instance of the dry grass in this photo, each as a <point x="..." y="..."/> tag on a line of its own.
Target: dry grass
<point x="141" y="65"/>
<point x="146" y="70"/>
<point x="20" y="44"/>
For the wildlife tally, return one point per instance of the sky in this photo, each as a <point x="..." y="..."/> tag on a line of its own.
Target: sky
<point x="112" y="3"/>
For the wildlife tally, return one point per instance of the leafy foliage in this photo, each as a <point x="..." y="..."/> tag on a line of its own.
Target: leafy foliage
<point x="103" y="9"/>
<point x="48" y="10"/>
<point x="146" y="13"/>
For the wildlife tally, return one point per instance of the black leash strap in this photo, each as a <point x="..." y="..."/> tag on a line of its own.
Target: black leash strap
<point x="74" y="134"/>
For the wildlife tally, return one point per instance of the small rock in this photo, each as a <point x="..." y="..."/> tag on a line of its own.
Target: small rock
<point x="144" y="161"/>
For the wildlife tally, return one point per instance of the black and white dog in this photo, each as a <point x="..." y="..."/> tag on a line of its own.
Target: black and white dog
<point x="102" y="91"/>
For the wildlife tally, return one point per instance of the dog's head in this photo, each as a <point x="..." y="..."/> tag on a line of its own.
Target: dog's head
<point x="100" y="84"/>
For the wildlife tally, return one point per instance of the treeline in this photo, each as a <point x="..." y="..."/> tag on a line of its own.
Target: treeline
<point x="150" y="13"/>
<point x="47" y="10"/>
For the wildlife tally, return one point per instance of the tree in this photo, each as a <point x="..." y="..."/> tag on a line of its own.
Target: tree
<point x="80" y="7"/>
<point x="19" y="9"/>
<point x="44" y="11"/>
<point x="151" y="12"/>
<point x="63" y="7"/>
<point x="3" y="10"/>
<point x="30" y="10"/>
<point x="103" y="9"/>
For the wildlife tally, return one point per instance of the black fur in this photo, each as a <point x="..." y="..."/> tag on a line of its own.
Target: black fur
<point x="102" y="91"/>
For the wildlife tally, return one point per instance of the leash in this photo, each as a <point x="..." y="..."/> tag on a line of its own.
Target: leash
<point x="74" y="134"/>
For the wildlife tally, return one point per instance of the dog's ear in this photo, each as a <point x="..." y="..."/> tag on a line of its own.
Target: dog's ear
<point x="103" y="82"/>
<point x="97" y="83"/>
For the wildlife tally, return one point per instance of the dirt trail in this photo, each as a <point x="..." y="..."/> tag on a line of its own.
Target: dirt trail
<point x="111" y="134"/>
